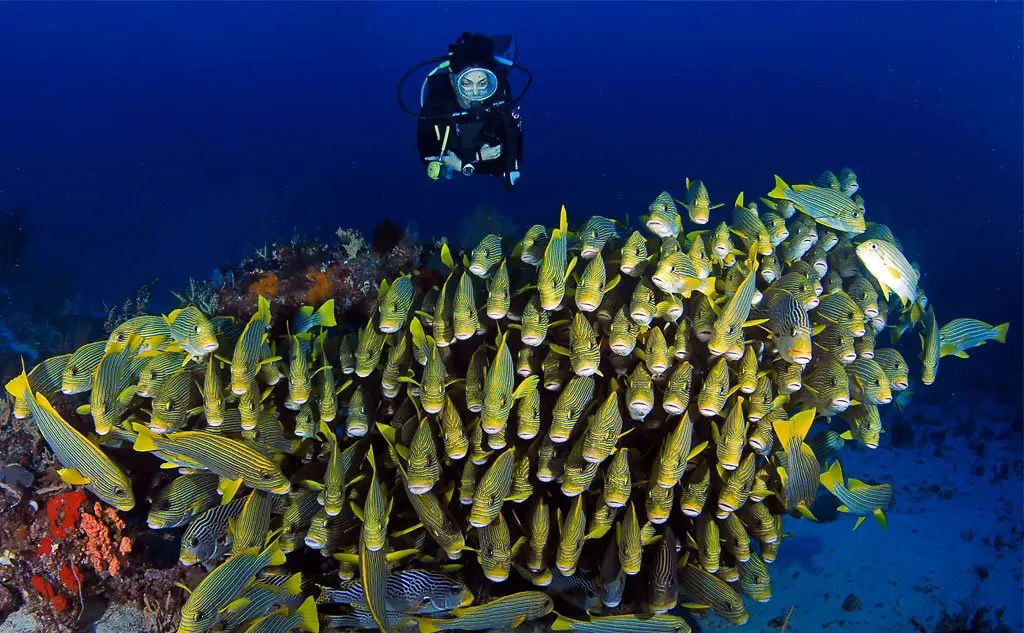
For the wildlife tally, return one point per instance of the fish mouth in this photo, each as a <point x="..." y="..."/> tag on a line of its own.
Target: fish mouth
<point x="901" y="385"/>
<point x="640" y="318"/>
<point x="492" y="314"/>
<point x="283" y="489"/>
<point x="588" y="252"/>
<point x="416" y="489"/>
<point x="841" y="403"/>
<point x="800" y="358"/>
<point x="734" y="354"/>
<point x="621" y="349"/>
<point x="884" y="399"/>
<point x="531" y="340"/>
<point x="211" y="347"/>
<point x="691" y="511"/>
<point x="586" y="306"/>
<point x="812" y="303"/>
<point x="716" y="350"/>
<point x="699" y="219"/>
<point x="477" y="270"/>
<point x="859" y="331"/>
<point x="708" y="412"/>
<point x="587" y="370"/>
<point x="627" y="268"/>
<point x="558" y="438"/>
<point x="672" y="408"/>
<point x="615" y="503"/>
<point x="704" y="335"/>
<point x="659" y="281"/>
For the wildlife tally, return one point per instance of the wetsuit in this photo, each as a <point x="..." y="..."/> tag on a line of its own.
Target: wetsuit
<point x="493" y="125"/>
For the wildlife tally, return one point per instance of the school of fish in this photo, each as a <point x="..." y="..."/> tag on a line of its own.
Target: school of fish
<point x="601" y="428"/>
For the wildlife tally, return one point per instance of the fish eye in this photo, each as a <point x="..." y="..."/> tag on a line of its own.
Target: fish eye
<point x="163" y="505"/>
<point x="878" y="382"/>
<point x="72" y="371"/>
<point x="264" y="474"/>
<point x="193" y="542"/>
<point x="222" y="539"/>
<point x="874" y="246"/>
<point x="198" y="329"/>
<point x="835" y="382"/>
<point x="119" y="491"/>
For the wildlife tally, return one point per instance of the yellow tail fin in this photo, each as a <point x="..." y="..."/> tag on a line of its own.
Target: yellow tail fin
<point x="1001" y="332"/>
<point x="780" y="188"/>
<point x="309" y="621"/>
<point x="833" y="476"/>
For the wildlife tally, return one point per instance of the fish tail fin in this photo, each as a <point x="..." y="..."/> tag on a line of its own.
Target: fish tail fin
<point x="277" y="556"/>
<point x="561" y="623"/>
<point x="833" y="476"/>
<point x="19" y="387"/>
<point x="1001" y="332"/>
<point x="309" y="621"/>
<point x="293" y="586"/>
<point x="780" y="188"/>
<point x="795" y="427"/>
<point x="326" y="314"/>
<point x="146" y="442"/>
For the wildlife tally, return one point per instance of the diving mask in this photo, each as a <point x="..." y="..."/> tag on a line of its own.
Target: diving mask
<point x="474" y="85"/>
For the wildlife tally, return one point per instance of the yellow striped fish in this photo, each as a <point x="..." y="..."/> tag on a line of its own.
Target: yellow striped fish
<point x="156" y="371"/>
<point x="250" y="349"/>
<point x="228" y="458"/>
<point x="708" y="589"/>
<point x="499" y="395"/>
<point x="495" y="552"/>
<point x="394" y="307"/>
<point x="698" y="202"/>
<point x="827" y="206"/>
<point x="800" y="475"/>
<point x="114" y="385"/>
<point x="177" y="400"/>
<point x="82" y="462"/>
<point x="465" y="317"/>
<point x="857" y="497"/>
<point x="553" y="271"/>
<point x="307" y="318"/>
<point x="486" y="254"/>
<point x="890" y="269"/>
<point x="492" y="489"/>
<point x="46" y="379"/>
<point x="663" y="219"/>
<point x="505" y="612"/>
<point x="569" y="407"/>
<point x="222" y="586"/>
<point x="570" y="541"/>
<point x="960" y="335"/>
<point x="499" y="295"/>
<point x="190" y="329"/>
<point x="931" y="348"/>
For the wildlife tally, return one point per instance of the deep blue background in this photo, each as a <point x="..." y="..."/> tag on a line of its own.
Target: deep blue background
<point x="152" y="139"/>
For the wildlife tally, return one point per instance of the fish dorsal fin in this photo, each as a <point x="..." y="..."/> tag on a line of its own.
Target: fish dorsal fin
<point x="446" y="256"/>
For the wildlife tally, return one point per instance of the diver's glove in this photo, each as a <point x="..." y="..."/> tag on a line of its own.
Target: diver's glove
<point x="489" y="153"/>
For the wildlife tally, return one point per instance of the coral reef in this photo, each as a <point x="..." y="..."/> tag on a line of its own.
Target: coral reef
<point x="308" y="272"/>
<point x="67" y="552"/>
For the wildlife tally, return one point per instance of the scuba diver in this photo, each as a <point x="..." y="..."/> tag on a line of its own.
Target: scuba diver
<point x="468" y="120"/>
